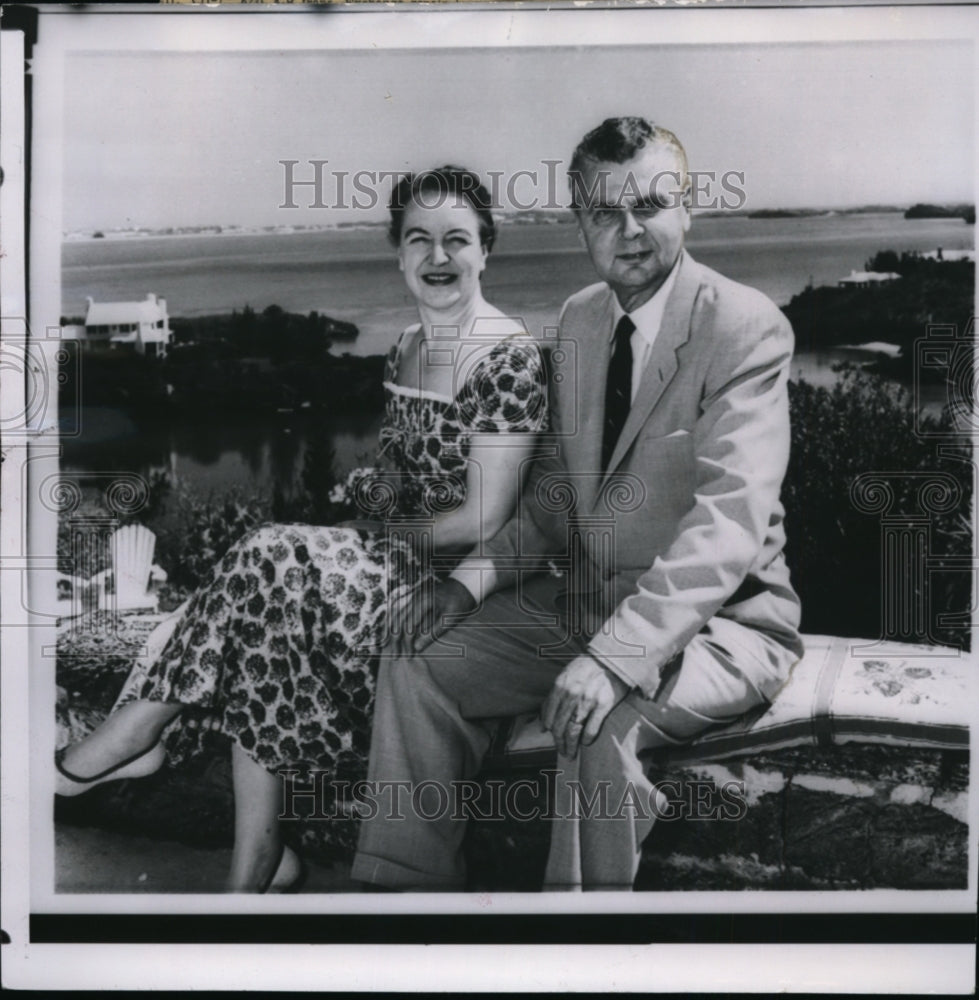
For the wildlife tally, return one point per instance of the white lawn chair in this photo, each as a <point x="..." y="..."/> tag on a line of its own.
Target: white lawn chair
<point x="132" y="571"/>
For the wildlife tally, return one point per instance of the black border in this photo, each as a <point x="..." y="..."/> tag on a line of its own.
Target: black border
<point x="509" y="929"/>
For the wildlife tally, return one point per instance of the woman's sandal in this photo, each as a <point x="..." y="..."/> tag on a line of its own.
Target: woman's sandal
<point x="279" y="880"/>
<point x="138" y="766"/>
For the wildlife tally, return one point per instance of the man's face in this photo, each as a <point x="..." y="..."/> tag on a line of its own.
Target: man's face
<point x="633" y="220"/>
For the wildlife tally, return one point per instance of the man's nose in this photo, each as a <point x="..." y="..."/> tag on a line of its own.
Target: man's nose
<point x="439" y="256"/>
<point x="630" y="227"/>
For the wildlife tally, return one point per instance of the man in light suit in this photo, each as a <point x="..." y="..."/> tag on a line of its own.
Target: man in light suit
<point x="659" y="494"/>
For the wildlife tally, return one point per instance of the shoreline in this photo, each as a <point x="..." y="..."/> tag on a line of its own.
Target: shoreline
<point x="766" y="215"/>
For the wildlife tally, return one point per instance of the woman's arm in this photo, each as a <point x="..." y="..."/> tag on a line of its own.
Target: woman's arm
<point x="504" y="406"/>
<point x="497" y="469"/>
<point x="495" y="475"/>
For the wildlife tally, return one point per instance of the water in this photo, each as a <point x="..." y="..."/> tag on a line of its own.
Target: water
<point x="253" y="454"/>
<point x="352" y="275"/>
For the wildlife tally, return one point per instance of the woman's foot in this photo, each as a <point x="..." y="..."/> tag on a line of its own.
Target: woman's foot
<point x="285" y="874"/>
<point x="67" y="783"/>
<point x="289" y="874"/>
<point x="125" y="745"/>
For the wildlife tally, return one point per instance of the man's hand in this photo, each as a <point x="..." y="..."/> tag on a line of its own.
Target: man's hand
<point x="583" y="695"/>
<point x="419" y="618"/>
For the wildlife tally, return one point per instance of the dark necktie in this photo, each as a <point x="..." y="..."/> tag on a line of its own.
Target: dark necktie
<point x="618" y="387"/>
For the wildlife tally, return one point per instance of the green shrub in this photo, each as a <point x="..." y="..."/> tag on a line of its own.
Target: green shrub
<point x="866" y="424"/>
<point x="196" y="531"/>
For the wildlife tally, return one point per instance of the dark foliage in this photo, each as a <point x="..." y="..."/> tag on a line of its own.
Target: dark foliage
<point x="899" y="312"/>
<point x="239" y="362"/>
<point x="310" y="503"/>
<point x="273" y="333"/>
<point x="923" y="211"/>
<point x="866" y="425"/>
<point x="198" y="531"/>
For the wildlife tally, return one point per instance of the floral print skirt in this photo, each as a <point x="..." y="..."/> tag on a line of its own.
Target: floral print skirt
<point x="278" y="651"/>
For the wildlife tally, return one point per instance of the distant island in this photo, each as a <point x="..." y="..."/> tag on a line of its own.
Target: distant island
<point x="514" y="217"/>
<point x="924" y="211"/>
<point x="787" y="213"/>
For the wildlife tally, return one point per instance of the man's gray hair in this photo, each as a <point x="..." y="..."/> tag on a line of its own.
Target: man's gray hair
<point x="618" y="140"/>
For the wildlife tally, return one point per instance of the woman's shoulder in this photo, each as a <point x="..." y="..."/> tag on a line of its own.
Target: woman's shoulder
<point x="397" y="349"/>
<point x="502" y="337"/>
<point x="504" y="388"/>
<point x="406" y="336"/>
<point x="517" y="351"/>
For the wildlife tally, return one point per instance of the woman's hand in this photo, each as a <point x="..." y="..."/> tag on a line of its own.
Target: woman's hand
<point x="419" y="617"/>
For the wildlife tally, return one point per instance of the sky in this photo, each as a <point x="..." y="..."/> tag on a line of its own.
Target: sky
<point x="196" y="138"/>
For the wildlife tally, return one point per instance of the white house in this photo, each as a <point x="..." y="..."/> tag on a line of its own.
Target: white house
<point x="867" y="279"/>
<point x="140" y="326"/>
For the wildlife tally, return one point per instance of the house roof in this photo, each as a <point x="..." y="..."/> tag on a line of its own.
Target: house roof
<point x="149" y="310"/>
<point x="864" y="277"/>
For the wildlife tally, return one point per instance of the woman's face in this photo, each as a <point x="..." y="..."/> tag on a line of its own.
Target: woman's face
<point x="440" y="253"/>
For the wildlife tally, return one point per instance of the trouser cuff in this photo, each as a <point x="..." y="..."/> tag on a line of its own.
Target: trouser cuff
<point x="393" y="875"/>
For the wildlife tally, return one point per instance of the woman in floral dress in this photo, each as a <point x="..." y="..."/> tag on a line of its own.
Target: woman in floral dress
<point x="279" y="648"/>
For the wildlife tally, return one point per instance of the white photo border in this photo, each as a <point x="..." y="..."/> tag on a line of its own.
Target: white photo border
<point x="28" y="690"/>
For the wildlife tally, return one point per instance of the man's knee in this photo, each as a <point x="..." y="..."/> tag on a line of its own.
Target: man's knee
<point x="416" y="679"/>
<point x="403" y="673"/>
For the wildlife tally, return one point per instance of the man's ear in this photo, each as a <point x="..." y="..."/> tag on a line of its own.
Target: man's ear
<point x="686" y="198"/>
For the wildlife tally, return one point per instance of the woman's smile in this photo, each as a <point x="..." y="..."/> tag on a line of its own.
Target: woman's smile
<point x="439" y="278"/>
<point x="442" y="256"/>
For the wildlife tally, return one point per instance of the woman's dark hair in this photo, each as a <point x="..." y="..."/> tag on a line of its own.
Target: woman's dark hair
<point x="431" y="188"/>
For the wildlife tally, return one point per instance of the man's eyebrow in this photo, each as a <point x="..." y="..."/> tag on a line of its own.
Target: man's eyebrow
<point x="424" y="232"/>
<point x="646" y="201"/>
<point x="650" y="201"/>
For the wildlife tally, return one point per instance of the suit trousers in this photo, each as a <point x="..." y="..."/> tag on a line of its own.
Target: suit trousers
<point x="435" y="713"/>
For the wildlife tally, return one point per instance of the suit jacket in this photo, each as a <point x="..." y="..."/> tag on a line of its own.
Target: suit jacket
<point x="686" y="523"/>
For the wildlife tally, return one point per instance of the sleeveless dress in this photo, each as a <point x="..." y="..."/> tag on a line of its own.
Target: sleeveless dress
<point x="278" y="650"/>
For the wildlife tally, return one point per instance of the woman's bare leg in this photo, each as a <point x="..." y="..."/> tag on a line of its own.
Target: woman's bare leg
<point x="258" y="845"/>
<point x="126" y="733"/>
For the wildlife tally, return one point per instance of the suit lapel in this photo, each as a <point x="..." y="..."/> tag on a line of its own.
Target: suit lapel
<point x="662" y="363"/>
